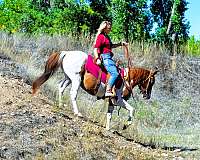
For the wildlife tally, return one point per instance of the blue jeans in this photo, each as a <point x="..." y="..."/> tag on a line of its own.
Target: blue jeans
<point x="111" y="68"/>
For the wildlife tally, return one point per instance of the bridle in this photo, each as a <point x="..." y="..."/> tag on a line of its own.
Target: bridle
<point x="129" y="84"/>
<point x="144" y="91"/>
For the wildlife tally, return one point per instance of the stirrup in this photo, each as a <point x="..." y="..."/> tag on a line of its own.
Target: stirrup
<point x="109" y="93"/>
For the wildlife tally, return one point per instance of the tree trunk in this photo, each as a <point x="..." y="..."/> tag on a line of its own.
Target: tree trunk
<point x="170" y="20"/>
<point x="173" y="56"/>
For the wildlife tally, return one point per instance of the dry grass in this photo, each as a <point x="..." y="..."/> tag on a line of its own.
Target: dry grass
<point x="169" y="119"/>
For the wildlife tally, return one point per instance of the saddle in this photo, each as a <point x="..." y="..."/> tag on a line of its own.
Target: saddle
<point x="101" y="74"/>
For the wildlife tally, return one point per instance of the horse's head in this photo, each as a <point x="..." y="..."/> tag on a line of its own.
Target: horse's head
<point x="146" y="84"/>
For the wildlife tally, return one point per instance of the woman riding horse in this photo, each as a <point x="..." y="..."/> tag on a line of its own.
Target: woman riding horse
<point x="103" y="51"/>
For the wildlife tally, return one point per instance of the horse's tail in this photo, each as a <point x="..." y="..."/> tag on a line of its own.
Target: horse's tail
<point x="51" y="66"/>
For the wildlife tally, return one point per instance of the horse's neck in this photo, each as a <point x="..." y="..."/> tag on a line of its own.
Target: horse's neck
<point x="138" y="75"/>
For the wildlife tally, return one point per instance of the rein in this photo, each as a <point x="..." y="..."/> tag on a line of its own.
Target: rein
<point x="127" y="82"/>
<point x="128" y="86"/>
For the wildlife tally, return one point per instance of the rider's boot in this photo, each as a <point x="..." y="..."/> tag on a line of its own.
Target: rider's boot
<point x="109" y="92"/>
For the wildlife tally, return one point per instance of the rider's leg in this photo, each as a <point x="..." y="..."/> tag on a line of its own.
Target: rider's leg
<point x="110" y="66"/>
<point x="111" y="82"/>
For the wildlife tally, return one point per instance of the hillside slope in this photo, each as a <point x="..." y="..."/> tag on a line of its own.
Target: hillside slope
<point x="32" y="128"/>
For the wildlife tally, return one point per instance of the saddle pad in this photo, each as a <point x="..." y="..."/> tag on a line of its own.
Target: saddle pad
<point x="94" y="69"/>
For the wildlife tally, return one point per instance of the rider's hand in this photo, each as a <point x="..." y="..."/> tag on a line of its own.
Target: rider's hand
<point x="97" y="61"/>
<point x="118" y="63"/>
<point x="124" y="43"/>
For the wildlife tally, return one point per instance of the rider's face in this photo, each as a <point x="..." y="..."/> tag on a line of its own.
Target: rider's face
<point x="108" y="28"/>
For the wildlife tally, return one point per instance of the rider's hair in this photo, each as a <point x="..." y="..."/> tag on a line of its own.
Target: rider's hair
<point x="102" y="26"/>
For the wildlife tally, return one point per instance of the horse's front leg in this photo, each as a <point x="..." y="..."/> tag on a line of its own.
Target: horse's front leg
<point x="121" y="102"/>
<point x="131" y="111"/>
<point x="109" y="114"/>
<point x="61" y="87"/>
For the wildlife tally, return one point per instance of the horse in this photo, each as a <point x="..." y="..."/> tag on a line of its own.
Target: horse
<point x="73" y="65"/>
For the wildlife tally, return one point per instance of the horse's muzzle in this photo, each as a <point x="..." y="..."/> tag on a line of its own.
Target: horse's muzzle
<point x="146" y="96"/>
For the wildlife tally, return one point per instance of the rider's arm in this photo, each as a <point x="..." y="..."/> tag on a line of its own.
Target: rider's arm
<point x="96" y="54"/>
<point x="97" y="46"/>
<point x="119" y="44"/>
<point x="116" y="45"/>
<point x="97" y="58"/>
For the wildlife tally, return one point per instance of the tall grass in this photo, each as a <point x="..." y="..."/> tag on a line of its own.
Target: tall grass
<point x="193" y="46"/>
<point x="170" y="118"/>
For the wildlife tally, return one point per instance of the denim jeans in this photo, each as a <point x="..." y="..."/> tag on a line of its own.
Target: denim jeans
<point x="110" y="66"/>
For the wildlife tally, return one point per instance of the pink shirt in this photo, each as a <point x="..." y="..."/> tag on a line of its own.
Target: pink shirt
<point x="103" y="44"/>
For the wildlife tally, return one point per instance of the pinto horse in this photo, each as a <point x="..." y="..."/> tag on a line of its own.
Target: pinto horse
<point x="73" y="65"/>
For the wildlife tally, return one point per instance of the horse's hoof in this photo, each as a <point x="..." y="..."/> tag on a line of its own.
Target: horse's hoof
<point x="129" y="119"/>
<point x="130" y="122"/>
<point x="78" y="114"/>
<point x="114" y="102"/>
<point x="107" y="128"/>
<point x="124" y="127"/>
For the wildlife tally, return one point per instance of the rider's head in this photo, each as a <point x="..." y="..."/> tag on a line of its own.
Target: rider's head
<point x="105" y="27"/>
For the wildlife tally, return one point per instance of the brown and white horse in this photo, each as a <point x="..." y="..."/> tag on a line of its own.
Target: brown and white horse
<point x="72" y="63"/>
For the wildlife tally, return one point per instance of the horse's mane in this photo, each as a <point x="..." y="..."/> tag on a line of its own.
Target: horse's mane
<point x="138" y="74"/>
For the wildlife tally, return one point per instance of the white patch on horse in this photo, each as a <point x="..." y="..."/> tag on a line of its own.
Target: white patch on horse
<point x="73" y="61"/>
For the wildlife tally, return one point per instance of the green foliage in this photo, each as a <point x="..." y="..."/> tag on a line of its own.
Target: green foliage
<point x="193" y="46"/>
<point x="12" y="14"/>
<point x="100" y="12"/>
<point x="180" y="26"/>
<point x="131" y="19"/>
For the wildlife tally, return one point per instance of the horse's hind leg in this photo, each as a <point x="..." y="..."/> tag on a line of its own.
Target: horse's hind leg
<point x="76" y="80"/>
<point x="62" y="85"/>
<point x="109" y="114"/>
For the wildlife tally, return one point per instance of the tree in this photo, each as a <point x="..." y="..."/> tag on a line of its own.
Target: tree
<point x="131" y="19"/>
<point x="100" y="12"/>
<point x="170" y="19"/>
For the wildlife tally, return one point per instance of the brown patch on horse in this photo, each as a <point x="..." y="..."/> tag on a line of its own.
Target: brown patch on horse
<point x="138" y="74"/>
<point x="135" y="76"/>
<point x="51" y="66"/>
<point x="90" y="83"/>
